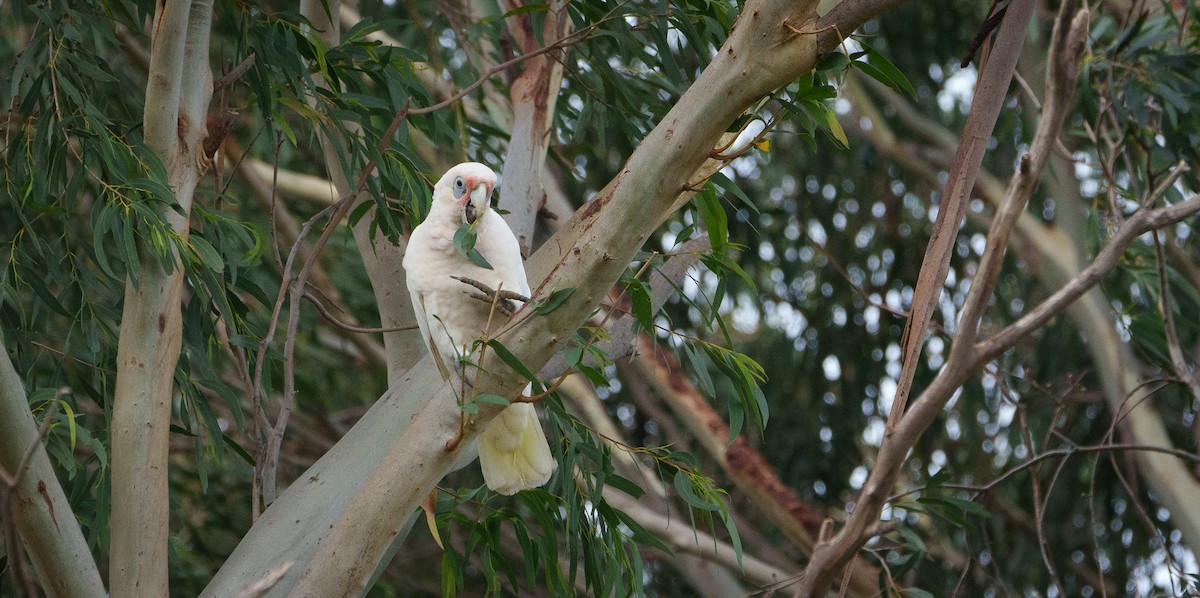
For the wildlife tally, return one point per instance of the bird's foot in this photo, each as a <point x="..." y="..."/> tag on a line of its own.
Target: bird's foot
<point x="503" y="300"/>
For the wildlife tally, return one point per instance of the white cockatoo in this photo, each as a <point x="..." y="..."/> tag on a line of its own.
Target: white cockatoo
<point x="513" y="452"/>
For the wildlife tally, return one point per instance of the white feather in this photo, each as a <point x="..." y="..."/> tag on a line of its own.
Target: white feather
<point x="513" y="451"/>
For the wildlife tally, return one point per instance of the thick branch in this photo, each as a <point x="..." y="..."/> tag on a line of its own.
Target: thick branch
<point x="48" y="528"/>
<point x="620" y="340"/>
<point x="836" y="25"/>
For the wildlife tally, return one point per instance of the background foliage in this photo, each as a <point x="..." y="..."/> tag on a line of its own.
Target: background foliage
<point x="825" y="236"/>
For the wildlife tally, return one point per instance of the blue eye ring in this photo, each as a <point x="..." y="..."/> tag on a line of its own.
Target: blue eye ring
<point x="460" y="188"/>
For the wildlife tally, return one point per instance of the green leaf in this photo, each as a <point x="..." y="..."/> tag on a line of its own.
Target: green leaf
<point x="913" y="540"/>
<point x="685" y="486"/>
<point x="491" y="399"/>
<point x="700" y="369"/>
<point x="734" y="537"/>
<point x="464" y="244"/>
<point x="573" y="355"/>
<point x="835" y="128"/>
<point x="881" y="69"/>
<point x="715" y="220"/>
<point x="639" y="294"/>
<point x="207" y="253"/>
<point x="69" y="415"/>
<point x="640" y="533"/>
<point x="452" y="575"/>
<point x="553" y="302"/>
<point x="507" y="357"/>
<point x="724" y="183"/>
<point x="237" y="448"/>
<point x="832" y="61"/>
<point x="625" y="485"/>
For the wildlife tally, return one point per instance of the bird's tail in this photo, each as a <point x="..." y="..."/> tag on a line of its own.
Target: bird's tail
<point x="513" y="451"/>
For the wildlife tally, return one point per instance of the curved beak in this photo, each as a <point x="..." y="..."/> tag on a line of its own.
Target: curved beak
<point x="477" y="202"/>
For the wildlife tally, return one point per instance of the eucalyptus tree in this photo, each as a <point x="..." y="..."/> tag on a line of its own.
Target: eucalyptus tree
<point x="723" y="207"/>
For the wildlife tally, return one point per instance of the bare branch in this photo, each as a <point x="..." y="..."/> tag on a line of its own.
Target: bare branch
<point x="1142" y="222"/>
<point x="985" y="108"/>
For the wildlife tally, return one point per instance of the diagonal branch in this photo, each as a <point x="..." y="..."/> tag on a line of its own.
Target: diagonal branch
<point x="985" y="109"/>
<point x="392" y="459"/>
<point x="1142" y="222"/>
<point x="798" y="520"/>
<point x="32" y="502"/>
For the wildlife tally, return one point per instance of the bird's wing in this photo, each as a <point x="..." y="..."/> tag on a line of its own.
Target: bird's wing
<point x="418" y="303"/>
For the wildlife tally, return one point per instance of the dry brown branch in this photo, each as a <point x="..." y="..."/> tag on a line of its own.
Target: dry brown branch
<point x="745" y="465"/>
<point x="902" y="430"/>
<point x="985" y="108"/>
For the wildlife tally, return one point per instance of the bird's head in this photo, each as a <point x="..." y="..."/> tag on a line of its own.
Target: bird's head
<point x="465" y="191"/>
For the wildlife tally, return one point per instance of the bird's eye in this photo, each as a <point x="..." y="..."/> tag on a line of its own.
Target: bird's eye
<point x="460" y="188"/>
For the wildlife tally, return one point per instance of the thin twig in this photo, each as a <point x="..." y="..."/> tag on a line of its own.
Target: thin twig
<point x="233" y="75"/>
<point x="1039" y="507"/>
<point x="1065" y="453"/>
<point x="329" y="317"/>
<point x="1141" y="222"/>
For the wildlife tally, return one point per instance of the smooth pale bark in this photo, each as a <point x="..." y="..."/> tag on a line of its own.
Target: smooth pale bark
<point x="49" y="531"/>
<point x="292" y="527"/>
<point x="177" y="96"/>
<point x="534" y="94"/>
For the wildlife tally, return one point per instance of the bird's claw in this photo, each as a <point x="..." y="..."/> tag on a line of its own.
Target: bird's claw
<point x="501" y="298"/>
